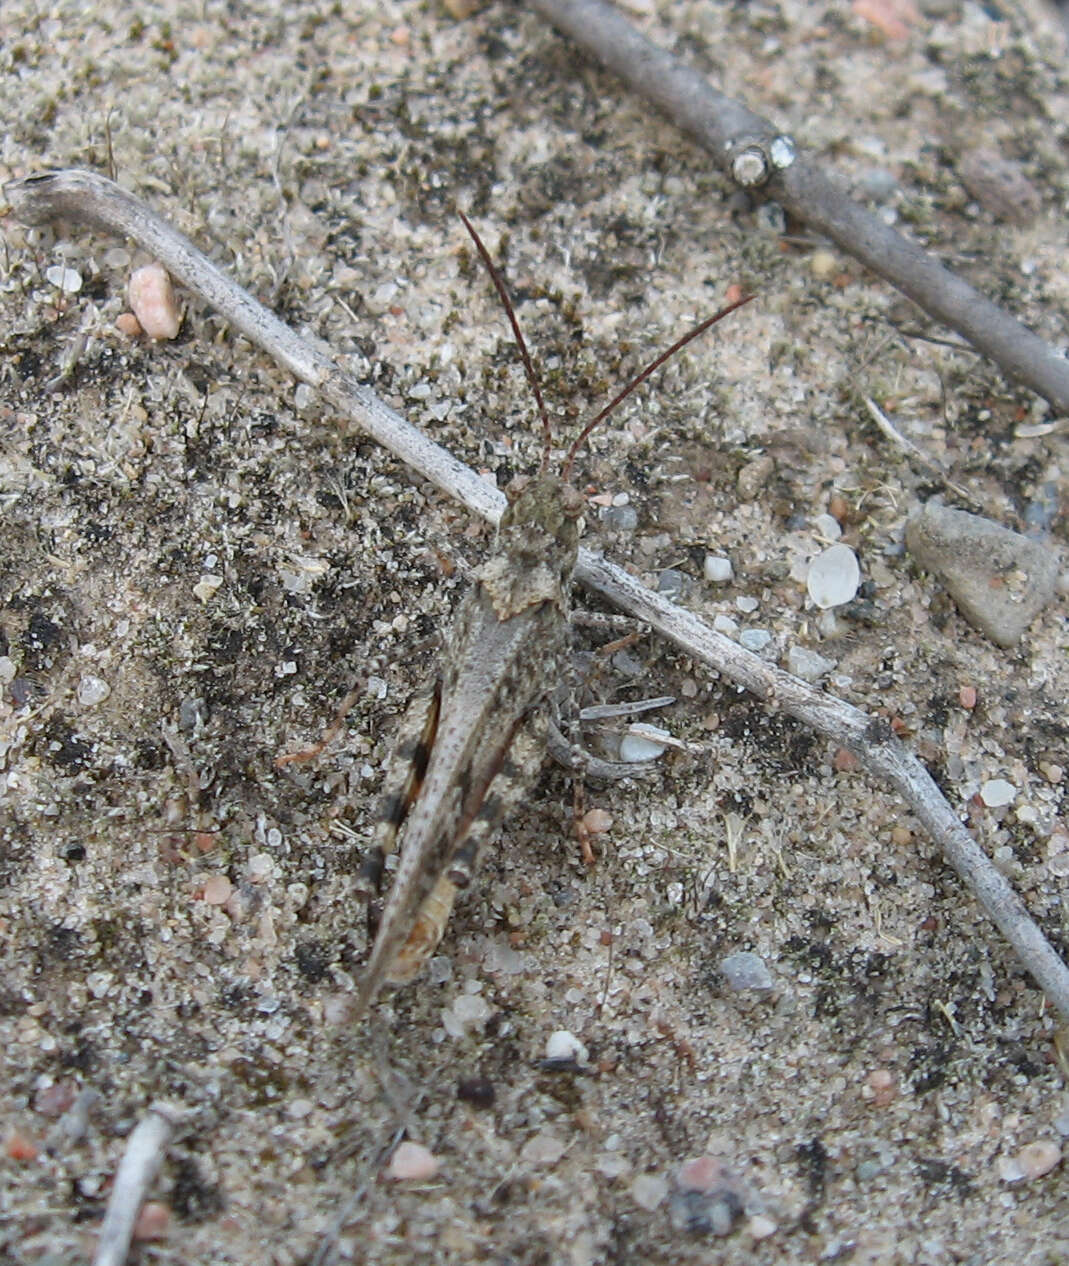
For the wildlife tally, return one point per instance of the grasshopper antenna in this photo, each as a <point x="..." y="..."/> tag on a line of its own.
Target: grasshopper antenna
<point x="639" y="379"/>
<point x="532" y="377"/>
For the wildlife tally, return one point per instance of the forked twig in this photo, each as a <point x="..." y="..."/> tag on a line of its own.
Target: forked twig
<point x="727" y="129"/>
<point x="88" y="198"/>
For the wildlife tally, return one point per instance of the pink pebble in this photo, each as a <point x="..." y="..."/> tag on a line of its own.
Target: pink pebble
<point x="152" y="1221"/>
<point x="54" y="1100"/>
<point x="126" y="323"/>
<point x="152" y="299"/>
<point x="701" y="1173"/>
<point x="1039" y="1158"/>
<point x="412" y="1162"/>
<point x="217" y="890"/>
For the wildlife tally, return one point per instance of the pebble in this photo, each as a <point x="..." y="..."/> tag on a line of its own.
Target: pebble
<point x="620" y="518"/>
<point x="216" y="890"/>
<point x="260" y="868"/>
<point x="69" y="280"/>
<point x="998" y="792"/>
<point x="673" y="584"/>
<point x="761" y="1227"/>
<point x="1000" y="580"/>
<point x="54" y="1100"/>
<point x="206" y="587"/>
<point x="717" y="569"/>
<point x="808" y="664"/>
<point x="126" y="323"/>
<point x="745" y="970"/>
<point x="827" y="526"/>
<point x="152" y="1222"/>
<point x="753" y="477"/>
<point x="597" y="821"/>
<point x="708" y="1197"/>
<point x="823" y="264"/>
<point x="834" y="576"/>
<point x="1031" y="1162"/>
<point x="563" y="1047"/>
<point x="19" y="1146"/>
<point x="648" y="1191"/>
<point x="613" y="1165"/>
<point x="999" y="186"/>
<point x="412" y="1162"/>
<point x="153" y="302"/>
<point x="754" y="639"/>
<point x="460" y="9"/>
<point x="726" y="625"/>
<point x="92" y="690"/>
<point x="542" y="1149"/>
<point x="471" y="1008"/>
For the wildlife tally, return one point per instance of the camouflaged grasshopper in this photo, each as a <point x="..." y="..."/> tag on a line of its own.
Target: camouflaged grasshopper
<point x="476" y="738"/>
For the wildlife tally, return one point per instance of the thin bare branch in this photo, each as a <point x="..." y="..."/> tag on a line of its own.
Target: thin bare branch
<point x="728" y="130"/>
<point x="140" y="1163"/>
<point x="81" y="196"/>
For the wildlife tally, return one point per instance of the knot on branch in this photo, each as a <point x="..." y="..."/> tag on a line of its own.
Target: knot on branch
<point x="757" y="160"/>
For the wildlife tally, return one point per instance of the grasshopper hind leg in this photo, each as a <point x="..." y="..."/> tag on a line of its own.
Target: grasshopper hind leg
<point x="405" y="771"/>
<point x="508" y="788"/>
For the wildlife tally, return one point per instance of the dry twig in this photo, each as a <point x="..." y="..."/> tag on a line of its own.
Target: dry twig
<point x="139" y="1165"/>
<point x="88" y="198"/>
<point x="729" y="130"/>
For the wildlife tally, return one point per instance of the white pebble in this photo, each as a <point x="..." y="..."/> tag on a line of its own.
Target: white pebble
<point x="648" y="1190"/>
<point x="206" y="587"/>
<point x="69" y="280"/>
<point x="469" y="1009"/>
<point x="412" y="1162"/>
<point x="99" y="983"/>
<point x="754" y="639"/>
<point x="726" y="625"/>
<point x="808" y="664"/>
<point x="746" y="604"/>
<point x="612" y="1165"/>
<point x="152" y="300"/>
<point x="542" y="1149"/>
<point x="834" y="576"/>
<point x="562" y="1046"/>
<point x="746" y="970"/>
<point x="718" y="570"/>
<point x="828" y="527"/>
<point x="92" y="690"/>
<point x="998" y="792"/>
<point x="260" y="868"/>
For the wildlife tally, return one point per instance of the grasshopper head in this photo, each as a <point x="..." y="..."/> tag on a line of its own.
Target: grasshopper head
<point x="541" y="521"/>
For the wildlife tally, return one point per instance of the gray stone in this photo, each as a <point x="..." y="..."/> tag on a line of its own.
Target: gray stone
<point x="999" y="579"/>
<point x="745" y="970"/>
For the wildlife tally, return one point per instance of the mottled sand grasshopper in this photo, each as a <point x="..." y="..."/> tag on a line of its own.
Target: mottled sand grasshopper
<point x="476" y="739"/>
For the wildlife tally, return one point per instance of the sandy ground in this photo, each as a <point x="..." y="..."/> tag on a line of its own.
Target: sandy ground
<point x="176" y="912"/>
